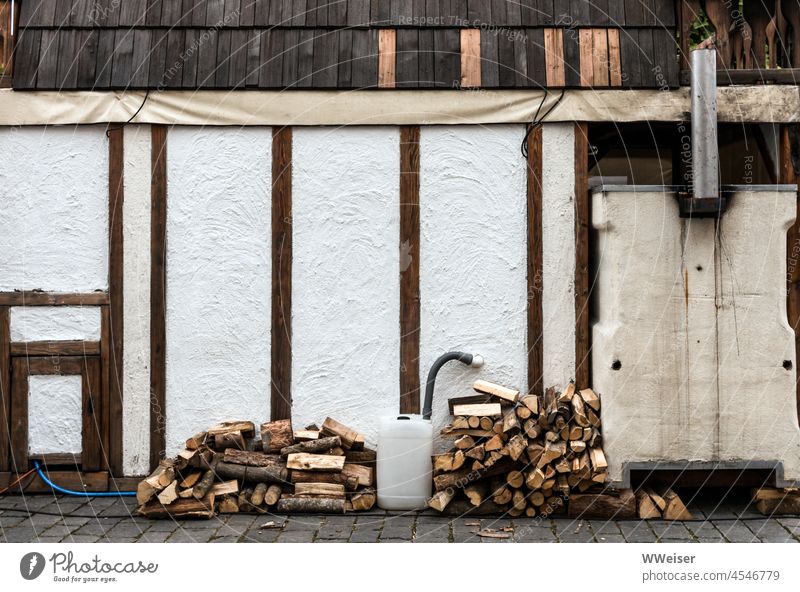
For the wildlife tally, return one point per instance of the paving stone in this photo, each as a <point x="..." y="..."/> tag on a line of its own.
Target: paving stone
<point x="225" y="539"/>
<point x="82" y="538"/>
<point x="637" y="532"/>
<point x="126" y="529"/>
<point x="736" y="532"/>
<point x="158" y="536"/>
<point x="96" y="528"/>
<point x="186" y="536"/>
<point x="610" y="538"/>
<point x="769" y="531"/>
<point x="21" y="534"/>
<point x="50" y="539"/>
<point x="364" y="536"/>
<point x="296" y="536"/>
<point x="604" y="527"/>
<point x="264" y="535"/>
<point x="534" y="534"/>
<point x="703" y="529"/>
<point x="336" y="529"/>
<point x="121" y="540"/>
<point x="163" y="526"/>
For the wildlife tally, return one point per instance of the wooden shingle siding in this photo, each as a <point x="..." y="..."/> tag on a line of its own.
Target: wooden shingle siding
<point x="283" y="44"/>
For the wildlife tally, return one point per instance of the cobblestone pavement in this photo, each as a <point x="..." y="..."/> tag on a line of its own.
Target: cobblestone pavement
<point x="51" y="519"/>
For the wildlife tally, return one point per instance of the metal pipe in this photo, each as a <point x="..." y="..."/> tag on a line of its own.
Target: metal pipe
<point x="705" y="148"/>
<point x="475" y="361"/>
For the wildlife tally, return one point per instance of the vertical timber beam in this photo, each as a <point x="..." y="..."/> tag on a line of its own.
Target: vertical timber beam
<point x="582" y="255"/>
<point x="5" y="389"/>
<point x="281" y="334"/>
<point x="535" y="255"/>
<point x="409" y="269"/>
<point x="789" y="155"/>
<point x="113" y="362"/>
<point x="158" y="294"/>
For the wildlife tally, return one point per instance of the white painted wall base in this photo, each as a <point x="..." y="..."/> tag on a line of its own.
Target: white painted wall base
<point x="54" y="414"/>
<point x="696" y="315"/>
<point x="473" y="256"/>
<point x="346" y="286"/>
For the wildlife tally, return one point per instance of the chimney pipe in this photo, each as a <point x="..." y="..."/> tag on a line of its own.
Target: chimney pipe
<point x="705" y="149"/>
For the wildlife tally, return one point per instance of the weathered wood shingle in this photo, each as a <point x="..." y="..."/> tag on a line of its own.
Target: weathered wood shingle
<point x="240" y="44"/>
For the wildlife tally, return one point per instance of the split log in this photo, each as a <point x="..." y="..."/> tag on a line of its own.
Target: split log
<point x="518" y="501"/>
<point x="500" y="392"/>
<point x="659" y="501"/>
<point x="316" y="505"/>
<point x="225" y="488"/>
<point x="495" y="443"/>
<point x="203" y="486"/>
<point x="510" y="422"/>
<point x="590" y="398"/>
<point x="350" y="482"/>
<point x="351" y="440"/>
<point x="273" y="494"/>
<point x="169" y="494"/>
<point x="191" y="479"/>
<point x="363" y="500"/>
<point x="486" y="423"/>
<point x="522" y="412"/>
<point x="468" y="400"/>
<point x="276" y="435"/>
<point x="160" y="478"/>
<point x="481" y="410"/>
<point x="474" y="422"/>
<point x="599" y="461"/>
<point x="362" y="457"/>
<point x="606" y="506"/>
<point x="646" y="507"/>
<point x="441" y="499"/>
<point x="458" y="479"/>
<point x="259" y="493"/>
<point x="534" y="452"/>
<point x="475" y="493"/>
<point x="675" y="510"/>
<point x="449" y="461"/>
<point x="230" y="440"/>
<point x="516" y="446"/>
<point x="579" y="411"/>
<point x="534" y="479"/>
<point x="251" y="459"/>
<point x="315" y="462"/>
<point x="449" y="432"/>
<point x="503" y="495"/>
<point x="464" y="442"/>
<point x="531" y="402"/>
<point x="477" y="452"/>
<point x="196" y="441"/>
<point x="319" y="445"/>
<point x="274" y="474"/>
<point x="515" y="479"/>
<point x="247" y="428"/>
<point x="463" y="507"/>
<point x="322" y="489"/>
<point x="770" y="501"/>
<point x="229" y="504"/>
<point x="306" y="435"/>
<point x="181" y="508"/>
<point x="364" y="475"/>
<point x="565" y="398"/>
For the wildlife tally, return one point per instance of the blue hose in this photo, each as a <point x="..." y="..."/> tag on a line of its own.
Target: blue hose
<point x="80" y="493"/>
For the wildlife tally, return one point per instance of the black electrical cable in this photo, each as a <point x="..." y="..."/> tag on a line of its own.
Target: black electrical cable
<point x="132" y="117"/>
<point x="537" y="121"/>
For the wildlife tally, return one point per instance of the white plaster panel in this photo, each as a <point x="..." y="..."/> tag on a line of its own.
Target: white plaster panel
<point x="558" y="253"/>
<point x="473" y="256"/>
<point x="696" y="315"/>
<point x="345" y="286"/>
<point x="218" y="278"/>
<point x="54" y="215"/>
<point x="54" y="414"/>
<point x="136" y="291"/>
<point x="55" y="323"/>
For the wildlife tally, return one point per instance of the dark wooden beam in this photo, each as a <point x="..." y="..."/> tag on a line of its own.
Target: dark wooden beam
<point x="535" y="322"/>
<point x="18" y="425"/>
<point x="158" y="293"/>
<point x="29" y="298"/>
<point x="113" y="361"/>
<point x="409" y="269"/>
<point x="789" y="155"/>
<point x="730" y="77"/>
<point x="281" y="350"/>
<point x="94" y="425"/>
<point x="582" y="255"/>
<point x="5" y="388"/>
<point x="56" y="348"/>
<point x="69" y="479"/>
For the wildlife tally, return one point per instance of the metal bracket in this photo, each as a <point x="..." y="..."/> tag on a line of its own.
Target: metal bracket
<point x="706" y="207"/>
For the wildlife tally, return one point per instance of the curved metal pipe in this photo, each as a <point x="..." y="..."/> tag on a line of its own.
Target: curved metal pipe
<point x="60" y="489"/>
<point x="475" y="361"/>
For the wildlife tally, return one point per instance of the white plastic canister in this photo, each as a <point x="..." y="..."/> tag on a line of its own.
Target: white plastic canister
<point x="405" y="445"/>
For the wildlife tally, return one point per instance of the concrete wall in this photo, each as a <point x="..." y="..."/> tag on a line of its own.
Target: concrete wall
<point x="345" y="285"/>
<point x="473" y="256"/>
<point x="218" y="278"/>
<point x="695" y="315"/>
<point x="54" y="214"/>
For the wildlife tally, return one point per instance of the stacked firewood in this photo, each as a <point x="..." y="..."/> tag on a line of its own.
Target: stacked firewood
<point x="662" y="505"/>
<point x="228" y="469"/>
<point x="519" y="454"/>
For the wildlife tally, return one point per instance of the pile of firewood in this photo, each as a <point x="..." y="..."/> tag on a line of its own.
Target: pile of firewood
<point x="520" y="455"/>
<point x="666" y="505"/>
<point x="777" y="502"/>
<point x="228" y="469"/>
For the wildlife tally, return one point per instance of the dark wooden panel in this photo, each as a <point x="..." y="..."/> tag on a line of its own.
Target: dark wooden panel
<point x="384" y="13"/>
<point x="122" y="70"/>
<point x="108" y="14"/>
<point x="55" y="365"/>
<point x="83" y="13"/>
<point x="479" y="11"/>
<point x="634" y="15"/>
<point x="311" y="13"/>
<point x="197" y="12"/>
<point x="490" y="68"/>
<point x="18" y="426"/>
<point x="92" y="457"/>
<point x="215" y="14"/>
<point x="649" y="11"/>
<point x="365" y="58"/>
<point x="158" y="292"/>
<point x="426" y="58"/>
<point x="53" y="299"/>
<point x="102" y="414"/>
<point x="237" y="61"/>
<point x="499" y="12"/>
<point x="32" y="12"/>
<point x="261" y="14"/>
<point x="665" y="14"/>
<point x="598" y="12"/>
<point x="56" y="348"/>
<point x="153" y="16"/>
<point x="409" y="270"/>
<point x="572" y="57"/>
<point x="171" y="12"/>
<point x="247" y="13"/>
<point x="62" y="14"/>
<point x="407" y="75"/>
<point x="269" y="75"/>
<point x="275" y="12"/>
<point x="616" y="12"/>
<point x="207" y="61"/>
<point x="287" y="42"/>
<point x="48" y="60"/>
<point x="232" y="12"/>
<point x="535" y="325"/>
<point x="582" y="222"/>
<point x="345" y="58"/>
<point x="537" y="67"/>
<point x="305" y="57"/>
<point x="87" y="60"/>
<point x="579" y="13"/>
<point x="647" y="58"/>
<point x="115" y="309"/>
<point x="141" y="57"/>
<point x="5" y="387"/>
<point x="543" y="12"/>
<point x="666" y="56"/>
<point x="561" y="14"/>
<point x="158" y="57"/>
<point x="337" y="13"/>
<point x="223" y="58"/>
<point x="322" y="13"/>
<point x="281" y="350"/>
<point x="520" y="58"/>
<point x="132" y="12"/>
<point x="289" y="11"/>
<point x="176" y="43"/>
<point x="513" y="13"/>
<point x="447" y="61"/>
<point x="105" y="59"/>
<point x="358" y="13"/>
<point x="26" y="59"/>
<point x="253" y="57"/>
<point x="505" y="54"/>
<point x="630" y="58"/>
<point x="326" y="56"/>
